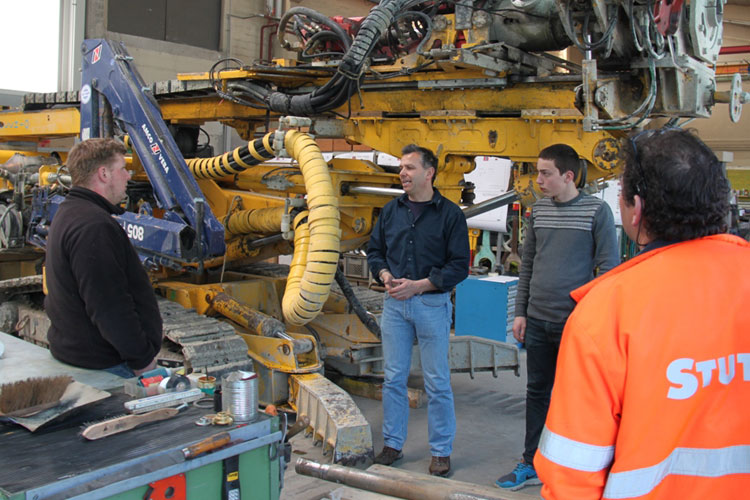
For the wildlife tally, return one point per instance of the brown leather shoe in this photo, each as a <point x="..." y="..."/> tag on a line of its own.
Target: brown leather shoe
<point x="388" y="456"/>
<point x="440" y="466"/>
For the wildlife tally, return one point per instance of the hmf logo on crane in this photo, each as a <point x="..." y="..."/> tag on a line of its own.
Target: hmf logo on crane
<point x="155" y="149"/>
<point x="97" y="54"/>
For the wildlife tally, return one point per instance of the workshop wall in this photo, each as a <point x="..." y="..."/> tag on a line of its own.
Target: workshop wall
<point x="719" y="132"/>
<point x="244" y="29"/>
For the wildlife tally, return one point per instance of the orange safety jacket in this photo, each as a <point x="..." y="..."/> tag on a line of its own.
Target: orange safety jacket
<point x="652" y="390"/>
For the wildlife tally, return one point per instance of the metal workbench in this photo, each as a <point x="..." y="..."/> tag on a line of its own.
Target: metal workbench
<point x="21" y="360"/>
<point x="58" y="463"/>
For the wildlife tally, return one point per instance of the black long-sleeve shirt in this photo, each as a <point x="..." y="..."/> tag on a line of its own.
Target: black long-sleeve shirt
<point x="100" y="301"/>
<point x="434" y="245"/>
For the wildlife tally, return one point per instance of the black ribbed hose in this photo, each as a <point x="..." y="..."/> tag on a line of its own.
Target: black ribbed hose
<point x="339" y="89"/>
<point x="364" y="316"/>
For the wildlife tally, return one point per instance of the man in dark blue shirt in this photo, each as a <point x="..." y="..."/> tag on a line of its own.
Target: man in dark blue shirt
<point x="419" y="250"/>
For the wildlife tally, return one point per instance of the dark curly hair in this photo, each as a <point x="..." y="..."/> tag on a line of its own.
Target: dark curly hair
<point x="684" y="189"/>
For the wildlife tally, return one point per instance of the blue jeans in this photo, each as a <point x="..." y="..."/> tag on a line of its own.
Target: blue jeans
<point x="426" y="318"/>
<point x="542" y="345"/>
<point x="121" y="370"/>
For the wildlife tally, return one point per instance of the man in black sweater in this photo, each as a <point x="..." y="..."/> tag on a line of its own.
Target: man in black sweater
<point x="100" y="300"/>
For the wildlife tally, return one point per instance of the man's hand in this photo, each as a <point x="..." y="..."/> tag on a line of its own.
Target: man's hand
<point x="387" y="278"/>
<point x="402" y="288"/>
<point x="149" y="367"/>
<point x="519" y="328"/>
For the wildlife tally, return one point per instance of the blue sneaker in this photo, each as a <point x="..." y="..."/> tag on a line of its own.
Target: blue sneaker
<point x="523" y="475"/>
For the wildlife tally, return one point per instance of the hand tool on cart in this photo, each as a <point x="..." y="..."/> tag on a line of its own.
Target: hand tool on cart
<point x="209" y="444"/>
<point x="126" y="422"/>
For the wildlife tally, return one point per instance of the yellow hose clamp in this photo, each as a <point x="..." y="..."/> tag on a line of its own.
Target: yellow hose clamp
<point x="238" y="159"/>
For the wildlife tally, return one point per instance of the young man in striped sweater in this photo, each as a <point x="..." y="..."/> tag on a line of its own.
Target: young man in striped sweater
<point x="570" y="240"/>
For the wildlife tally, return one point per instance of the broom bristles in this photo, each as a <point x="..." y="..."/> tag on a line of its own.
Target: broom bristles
<point x="32" y="392"/>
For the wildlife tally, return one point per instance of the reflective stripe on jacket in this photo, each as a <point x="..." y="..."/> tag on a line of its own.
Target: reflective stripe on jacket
<point x="652" y="391"/>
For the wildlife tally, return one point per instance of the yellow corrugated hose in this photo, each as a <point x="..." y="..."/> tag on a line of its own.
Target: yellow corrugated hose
<point x="317" y="234"/>
<point x="313" y="264"/>
<point x="299" y="262"/>
<point x="260" y="220"/>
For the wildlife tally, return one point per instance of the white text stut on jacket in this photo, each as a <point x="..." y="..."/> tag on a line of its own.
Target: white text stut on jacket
<point x="686" y="375"/>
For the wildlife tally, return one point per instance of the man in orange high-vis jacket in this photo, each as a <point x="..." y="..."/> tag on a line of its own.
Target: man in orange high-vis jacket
<point x="652" y="394"/>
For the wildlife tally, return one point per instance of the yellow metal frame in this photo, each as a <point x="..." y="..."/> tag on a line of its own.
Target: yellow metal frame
<point x="739" y="179"/>
<point x="516" y="122"/>
<point x="278" y="354"/>
<point x="38" y="125"/>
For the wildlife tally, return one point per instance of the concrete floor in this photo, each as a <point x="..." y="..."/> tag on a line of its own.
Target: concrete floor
<point x="489" y="431"/>
<point x="489" y="436"/>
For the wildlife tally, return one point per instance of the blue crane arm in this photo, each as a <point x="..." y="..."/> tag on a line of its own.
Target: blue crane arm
<point x="108" y="73"/>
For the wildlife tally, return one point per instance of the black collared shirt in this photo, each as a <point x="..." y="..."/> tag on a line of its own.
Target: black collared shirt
<point x="433" y="245"/>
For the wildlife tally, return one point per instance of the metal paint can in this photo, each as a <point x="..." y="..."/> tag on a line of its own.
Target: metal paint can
<point x="207" y="384"/>
<point x="239" y="395"/>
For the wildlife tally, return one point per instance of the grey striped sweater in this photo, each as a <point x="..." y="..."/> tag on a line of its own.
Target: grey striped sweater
<point x="564" y="245"/>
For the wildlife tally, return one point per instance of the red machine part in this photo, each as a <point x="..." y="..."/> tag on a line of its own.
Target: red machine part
<point x="169" y="488"/>
<point x="667" y="16"/>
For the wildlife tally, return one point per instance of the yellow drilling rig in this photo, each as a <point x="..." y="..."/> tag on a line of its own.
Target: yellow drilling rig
<point x="463" y="78"/>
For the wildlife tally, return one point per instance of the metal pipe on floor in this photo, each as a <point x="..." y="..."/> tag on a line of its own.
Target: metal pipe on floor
<point x="411" y="488"/>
